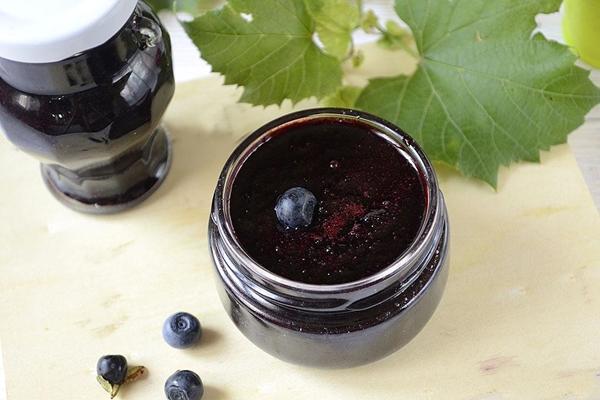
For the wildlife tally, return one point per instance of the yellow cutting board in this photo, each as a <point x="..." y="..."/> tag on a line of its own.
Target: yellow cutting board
<point x="520" y="318"/>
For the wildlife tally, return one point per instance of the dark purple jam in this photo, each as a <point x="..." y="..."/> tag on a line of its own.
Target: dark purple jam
<point x="370" y="206"/>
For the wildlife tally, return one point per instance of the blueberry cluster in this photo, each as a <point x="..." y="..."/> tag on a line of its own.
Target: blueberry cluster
<point x="181" y="331"/>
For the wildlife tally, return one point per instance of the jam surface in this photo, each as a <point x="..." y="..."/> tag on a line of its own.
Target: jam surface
<point x="370" y="202"/>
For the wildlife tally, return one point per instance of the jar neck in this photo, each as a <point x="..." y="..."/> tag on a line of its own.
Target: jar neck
<point x="266" y="289"/>
<point x="95" y="67"/>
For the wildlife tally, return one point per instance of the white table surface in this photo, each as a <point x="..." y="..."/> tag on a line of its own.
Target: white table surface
<point x="585" y="142"/>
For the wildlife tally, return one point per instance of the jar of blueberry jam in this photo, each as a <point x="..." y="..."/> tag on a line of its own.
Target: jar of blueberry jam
<point x="83" y="86"/>
<point x="330" y="238"/>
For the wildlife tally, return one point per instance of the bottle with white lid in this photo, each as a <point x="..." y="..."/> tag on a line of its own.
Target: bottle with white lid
<point x="83" y="86"/>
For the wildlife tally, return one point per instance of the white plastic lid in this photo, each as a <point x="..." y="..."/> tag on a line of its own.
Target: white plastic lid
<point x="41" y="31"/>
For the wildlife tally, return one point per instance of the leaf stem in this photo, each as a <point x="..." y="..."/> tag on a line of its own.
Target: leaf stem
<point x="403" y="46"/>
<point x="350" y="51"/>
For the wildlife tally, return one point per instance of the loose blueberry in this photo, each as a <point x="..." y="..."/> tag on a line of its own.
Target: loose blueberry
<point x="295" y="208"/>
<point x="184" y="385"/>
<point x="113" y="369"/>
<point x="182" y="330"/>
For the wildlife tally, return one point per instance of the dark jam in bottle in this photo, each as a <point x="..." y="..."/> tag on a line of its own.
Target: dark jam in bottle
<point x="93" y="119"/>
<point x="371" y="201"/>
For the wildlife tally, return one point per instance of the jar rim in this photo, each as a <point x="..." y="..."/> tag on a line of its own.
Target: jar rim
<point x="403" y="266"/>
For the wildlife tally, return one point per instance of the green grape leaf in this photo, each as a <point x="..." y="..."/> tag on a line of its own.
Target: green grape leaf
<point x="192" y="7"/>
<point x="358" y="58"/>
<point x="335" y="20"/>
<point x="395" y="37"/>
<point x="267" y="47"/>
<point x="486" y="92"/>
<point x="161" y="4"/>
<point x="345" y="97"/>
<point x="369" y="22"/>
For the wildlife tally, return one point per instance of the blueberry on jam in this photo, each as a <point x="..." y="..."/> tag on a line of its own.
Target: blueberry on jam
<point x="295" y="208"/>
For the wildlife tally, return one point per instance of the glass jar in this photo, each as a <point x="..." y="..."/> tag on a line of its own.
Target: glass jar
<point x="338" y="325"/>
<point x="87" y="99"/>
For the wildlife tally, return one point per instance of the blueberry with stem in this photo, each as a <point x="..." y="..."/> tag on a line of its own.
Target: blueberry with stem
<point x="113" y="372"/>
<point x="113" y="369"/>
<point x="184" y="385"/>
<point x="182" y="330"/>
